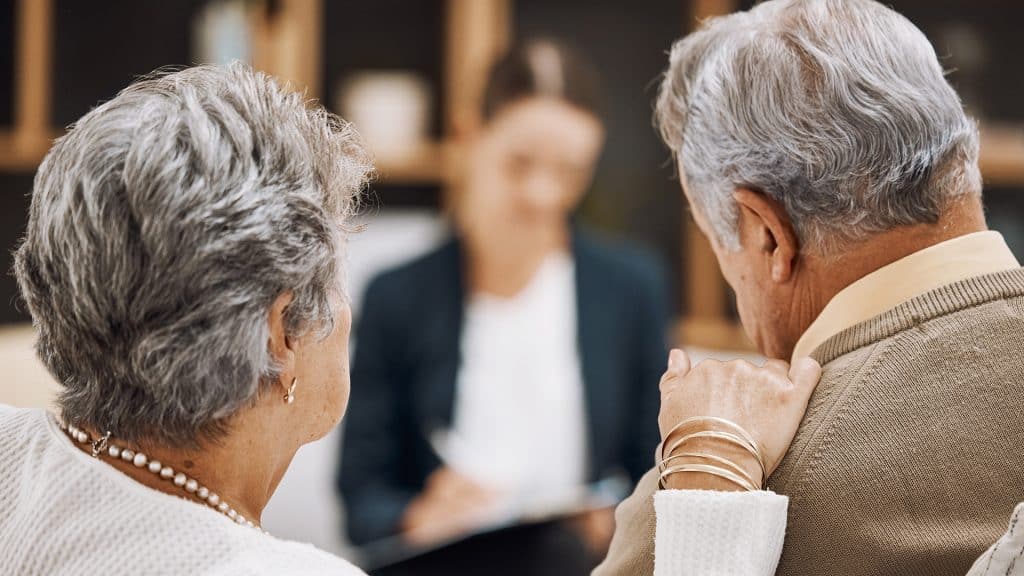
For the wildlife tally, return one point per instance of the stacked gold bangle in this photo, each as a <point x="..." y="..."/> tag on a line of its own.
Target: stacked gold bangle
<point x="720" y="467"/>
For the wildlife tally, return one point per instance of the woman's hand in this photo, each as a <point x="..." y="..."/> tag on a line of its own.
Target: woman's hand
<point x="595" y="528"/>
<point x="768" y="402"/>
<point x="450" y="504"/>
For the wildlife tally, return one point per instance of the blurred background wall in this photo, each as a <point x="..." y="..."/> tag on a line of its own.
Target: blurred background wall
<point x="408" y="72"/>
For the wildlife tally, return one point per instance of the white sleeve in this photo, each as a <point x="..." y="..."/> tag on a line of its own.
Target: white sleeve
<point x="717" y="533"/>
<point x="1006" y="556"/>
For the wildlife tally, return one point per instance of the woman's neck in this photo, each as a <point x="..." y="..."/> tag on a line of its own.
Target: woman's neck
<point x="502" y="265"/>
<point x="238" y="468"/>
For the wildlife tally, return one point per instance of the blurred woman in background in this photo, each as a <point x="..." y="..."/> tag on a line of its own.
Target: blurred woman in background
<point x="519" y="358"/>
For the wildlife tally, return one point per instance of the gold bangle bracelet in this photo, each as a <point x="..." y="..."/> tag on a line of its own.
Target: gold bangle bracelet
<point x="706" y="469"/>
<point x="742" y="438"/>
<point x="714" y="419"/>
<point x="727" y="436"/>
<point x="718" y="459"/>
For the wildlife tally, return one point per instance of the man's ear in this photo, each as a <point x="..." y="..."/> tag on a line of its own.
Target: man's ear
<point x="281" y="347"/>
<point x="765" y="222"/>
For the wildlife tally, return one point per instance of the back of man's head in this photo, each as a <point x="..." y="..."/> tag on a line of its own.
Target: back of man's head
<point x="837" y="109"/>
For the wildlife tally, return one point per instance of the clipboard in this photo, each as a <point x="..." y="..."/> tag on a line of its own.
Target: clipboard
<point x="601" y="495"/>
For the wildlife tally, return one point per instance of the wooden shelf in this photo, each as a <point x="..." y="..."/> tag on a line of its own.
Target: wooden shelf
<point x="19" y="153"/>
<point x="287" y="46"/>
<point x="1002" y="155"/>
<point x="432" y="165"/>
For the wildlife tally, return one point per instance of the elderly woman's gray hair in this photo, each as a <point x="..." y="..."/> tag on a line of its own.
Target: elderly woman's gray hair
<point x="163" y="226"/>
<point x="838" y="109"/>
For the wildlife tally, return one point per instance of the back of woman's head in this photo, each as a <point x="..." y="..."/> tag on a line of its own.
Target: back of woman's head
<point x="163" y="225"/>
<point x="541" y="69"/>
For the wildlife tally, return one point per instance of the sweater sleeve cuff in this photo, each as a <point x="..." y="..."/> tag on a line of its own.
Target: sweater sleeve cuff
<point x="717" y="533"/>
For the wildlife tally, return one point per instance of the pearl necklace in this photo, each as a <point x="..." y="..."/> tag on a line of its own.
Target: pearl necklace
<point x="103" y="445"/>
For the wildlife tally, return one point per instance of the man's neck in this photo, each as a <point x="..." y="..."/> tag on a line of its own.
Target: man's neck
<point x="827" y="275"/>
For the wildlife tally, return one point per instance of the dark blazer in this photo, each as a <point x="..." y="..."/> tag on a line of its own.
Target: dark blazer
<point x="407" y="349"/>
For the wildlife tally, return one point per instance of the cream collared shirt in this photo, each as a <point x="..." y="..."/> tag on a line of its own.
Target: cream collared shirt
<point x="944" y="263"/>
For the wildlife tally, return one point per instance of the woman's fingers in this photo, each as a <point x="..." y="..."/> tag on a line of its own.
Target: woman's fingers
<point x="779" y="366"/>
<point x="768" y="401"/>
<point x="678" y="362"/>
<point x="805" y="374"/>
<point x="678" y="368"/>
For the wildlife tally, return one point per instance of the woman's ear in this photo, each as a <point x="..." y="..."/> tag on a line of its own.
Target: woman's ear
<point x="766" y="221"/>
<point x="280" y="345"/>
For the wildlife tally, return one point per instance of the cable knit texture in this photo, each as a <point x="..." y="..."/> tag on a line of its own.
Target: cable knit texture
<point x="718" y="533"/>
<point x="909" y="456"/>
<point x="63" y="512"/>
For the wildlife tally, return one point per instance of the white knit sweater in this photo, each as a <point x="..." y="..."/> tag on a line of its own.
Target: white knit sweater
<point x="718" y="533"/>
<point x="740" y="534"/>
<point x="63" y="512"/>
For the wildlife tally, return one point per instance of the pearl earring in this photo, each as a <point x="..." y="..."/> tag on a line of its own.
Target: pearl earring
<point x="290" y="396"/>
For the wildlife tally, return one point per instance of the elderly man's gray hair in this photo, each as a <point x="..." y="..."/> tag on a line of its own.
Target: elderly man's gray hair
<point x="163" y="226"/>
<point x="838" y="109"/>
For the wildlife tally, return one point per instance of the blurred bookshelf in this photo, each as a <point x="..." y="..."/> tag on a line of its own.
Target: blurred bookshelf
<point x="49" y="75"/>
<point x="53" y="39"/>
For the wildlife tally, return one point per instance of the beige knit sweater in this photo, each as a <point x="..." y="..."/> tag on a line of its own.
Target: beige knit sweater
<point x="911" y="453"/>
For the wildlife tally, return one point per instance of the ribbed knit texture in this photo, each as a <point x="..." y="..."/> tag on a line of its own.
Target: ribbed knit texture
<point x="63" y="512"/>
<point x="718" y="533"/>
<point x="912" y="449"/>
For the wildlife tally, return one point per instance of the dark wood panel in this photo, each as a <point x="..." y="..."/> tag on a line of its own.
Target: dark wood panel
<point x="394" y="196"/>
<point x="100" y="47"/>
<point x="1004" y="207"/>
<point x="7" y="51"/>
<point x="14" y="200"/>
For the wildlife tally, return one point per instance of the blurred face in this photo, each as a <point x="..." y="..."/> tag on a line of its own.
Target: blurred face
<point x="321" y="365"/>
<point x="764" y="296"/>
<point x="532" y="162"/>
